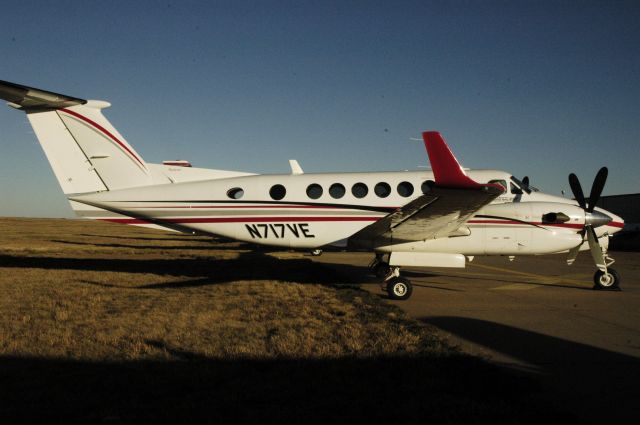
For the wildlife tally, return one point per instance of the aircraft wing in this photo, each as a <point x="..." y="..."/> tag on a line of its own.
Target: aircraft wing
<point x="452" y="200"/>
<point x="438" y="214"/>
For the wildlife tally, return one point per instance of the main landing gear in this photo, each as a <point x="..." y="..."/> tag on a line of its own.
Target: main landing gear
<point x="396" y="286"/>
<point x="379" y="266"/>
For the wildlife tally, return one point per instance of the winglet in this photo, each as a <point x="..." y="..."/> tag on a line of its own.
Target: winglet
<point x="446" y="168"/>
<point x="447" y="171"/>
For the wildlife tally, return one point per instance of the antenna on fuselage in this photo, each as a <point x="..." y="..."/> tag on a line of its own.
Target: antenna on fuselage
<point x="295" y="167"/>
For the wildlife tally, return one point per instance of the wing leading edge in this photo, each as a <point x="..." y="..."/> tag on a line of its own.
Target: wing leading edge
<point x="439" y="213"/>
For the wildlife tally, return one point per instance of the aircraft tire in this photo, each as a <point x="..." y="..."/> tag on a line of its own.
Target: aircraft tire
<point x="608" y="282"/>
<point x="399" y="288"/>
<point x="316" y="252"/>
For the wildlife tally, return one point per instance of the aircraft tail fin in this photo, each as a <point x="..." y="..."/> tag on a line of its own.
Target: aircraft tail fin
<point x="86" y="152"/>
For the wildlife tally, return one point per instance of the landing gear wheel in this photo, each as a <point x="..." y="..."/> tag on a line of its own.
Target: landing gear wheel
<point x="316" y="252"/>
<point x="609" y="281"/>
<point x="381" y="270"/>
<point x="399" y="288"/>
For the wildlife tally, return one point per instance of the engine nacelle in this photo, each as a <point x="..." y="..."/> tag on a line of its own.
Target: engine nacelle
<point x="532" y="227"/>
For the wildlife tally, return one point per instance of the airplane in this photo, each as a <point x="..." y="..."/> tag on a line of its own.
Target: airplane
<point x="441" y="217"/>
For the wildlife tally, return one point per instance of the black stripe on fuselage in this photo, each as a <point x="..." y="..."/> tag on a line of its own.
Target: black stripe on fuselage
<point x="314" y="204"/>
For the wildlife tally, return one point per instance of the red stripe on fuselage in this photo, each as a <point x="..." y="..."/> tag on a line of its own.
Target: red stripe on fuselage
<point x="537" y="223"/>
<point x="105" y="132"/>
<point x="527" y="223"/>
<point x="236" y="220"/>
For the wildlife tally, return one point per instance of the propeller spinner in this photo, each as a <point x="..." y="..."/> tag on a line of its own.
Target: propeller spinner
<point x="592" y="218"/>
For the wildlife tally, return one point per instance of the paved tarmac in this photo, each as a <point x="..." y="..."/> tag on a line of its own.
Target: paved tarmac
<point x="538" y="316"/>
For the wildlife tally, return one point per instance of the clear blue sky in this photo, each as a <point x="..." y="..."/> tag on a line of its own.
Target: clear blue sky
<point x="532" y="87"/>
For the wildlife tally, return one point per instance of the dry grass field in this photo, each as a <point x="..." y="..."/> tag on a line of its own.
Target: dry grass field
<point x="102" y="323"/>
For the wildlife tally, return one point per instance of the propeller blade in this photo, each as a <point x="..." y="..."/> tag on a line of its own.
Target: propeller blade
<point x="596" y="250"/>
<point x="577" y="190"/>
<point x="596" y="189"/>
<point x="525" y="184"/>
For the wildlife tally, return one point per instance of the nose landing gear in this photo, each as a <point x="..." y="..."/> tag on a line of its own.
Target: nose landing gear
<point x="607" y="281"/>
<point x="606" y="278"/>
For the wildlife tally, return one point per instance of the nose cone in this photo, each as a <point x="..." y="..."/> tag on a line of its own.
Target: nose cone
<point x="616" y="224"/>
<point x="610" y="222"/>
<point x="597" y="218"/>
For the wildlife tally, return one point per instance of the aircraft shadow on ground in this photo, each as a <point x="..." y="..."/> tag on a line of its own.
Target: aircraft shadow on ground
<point x="185" y="247"/>
<point x="204" y="271"/>
<point x="527" y="281"/>
<point x="510" y="279"/>
<point x="184" y="238"/>
<point x="197" y="389"/>
<point x="604" y="383"/>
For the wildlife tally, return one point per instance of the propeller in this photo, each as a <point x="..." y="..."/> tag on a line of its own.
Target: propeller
<point x="592" y="219"/>
<point x="526" y="186"/>
<point x="596" y="189"/>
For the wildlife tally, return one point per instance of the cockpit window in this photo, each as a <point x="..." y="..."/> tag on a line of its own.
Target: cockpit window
<point x="502" y="183"/>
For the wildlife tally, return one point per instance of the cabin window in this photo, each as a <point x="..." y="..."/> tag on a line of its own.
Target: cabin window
<point x="382" y="189"/>
<point x="405" y="189"/>
<point x="277" y="192"/>
<point x="427" y="185"/>
<point x="502" y="183"/>
<point x="314" y="191"/>
<point x="337" y="190"/>
<point x="359" y="190"/>
<point x="235" y="193"/>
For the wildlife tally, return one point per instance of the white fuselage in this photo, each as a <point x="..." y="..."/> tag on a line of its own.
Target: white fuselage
<point x="252" y="208"/>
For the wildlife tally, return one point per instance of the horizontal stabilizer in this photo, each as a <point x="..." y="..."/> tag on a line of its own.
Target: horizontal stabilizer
<point x="30" y="99"/>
